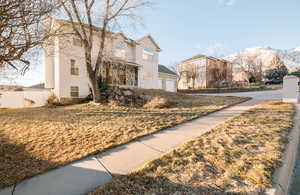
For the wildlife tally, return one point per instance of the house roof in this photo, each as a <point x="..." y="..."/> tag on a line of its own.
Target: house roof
<point x="114" y="33"/>
<point x="194" y="57"/>
<point x="151" y="39"/>
<point x="38" y="86"/>
<point x="164" y="69"/>
<point x="199" y="56"/>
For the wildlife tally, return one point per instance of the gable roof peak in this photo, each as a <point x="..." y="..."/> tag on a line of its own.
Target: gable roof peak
<point x="151" y="39"/>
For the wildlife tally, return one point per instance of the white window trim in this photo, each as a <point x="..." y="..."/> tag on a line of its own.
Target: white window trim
<point x="147" y="54"/>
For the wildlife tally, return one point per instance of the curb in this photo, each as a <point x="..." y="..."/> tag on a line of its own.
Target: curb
<point x="283" y="175"/>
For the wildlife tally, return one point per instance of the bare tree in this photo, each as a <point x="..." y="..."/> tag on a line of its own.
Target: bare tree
<point x="250" y="66"/>
<point x="192" y="73"/>
<point x="21" y="29"/>
<point x="218" y="76"/>
<point x="178" y="69"/>
<point x="84" y="15"/>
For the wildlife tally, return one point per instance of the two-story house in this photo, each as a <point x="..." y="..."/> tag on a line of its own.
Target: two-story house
<point x="203" y="71"/>
<point x="128" y="63"/>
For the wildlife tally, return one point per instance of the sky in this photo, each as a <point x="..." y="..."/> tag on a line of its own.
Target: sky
<point x="184" y="28"/>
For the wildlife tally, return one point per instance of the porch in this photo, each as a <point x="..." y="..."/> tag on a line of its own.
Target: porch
<point x="120" y="73"/>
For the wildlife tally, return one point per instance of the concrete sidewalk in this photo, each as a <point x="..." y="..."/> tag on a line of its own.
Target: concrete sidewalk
<point x="85" y="175"/>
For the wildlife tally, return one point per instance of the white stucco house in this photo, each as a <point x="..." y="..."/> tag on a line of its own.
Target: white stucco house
<point x="65" y="70"/>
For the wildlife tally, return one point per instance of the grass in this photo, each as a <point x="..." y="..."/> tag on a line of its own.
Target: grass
<point x="35" y="140"/>
<point x="237" y="157"/>
<point x="232" y="90"/>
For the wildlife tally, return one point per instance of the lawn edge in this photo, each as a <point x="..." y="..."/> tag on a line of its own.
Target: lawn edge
<point x="282" y="176"/>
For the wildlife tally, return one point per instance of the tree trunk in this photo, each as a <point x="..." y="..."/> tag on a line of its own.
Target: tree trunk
<point x="194" y="83"/>
<point x="95" y="90"/>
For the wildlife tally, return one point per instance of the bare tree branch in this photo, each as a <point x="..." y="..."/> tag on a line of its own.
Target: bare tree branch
<point x="21" y="29"/>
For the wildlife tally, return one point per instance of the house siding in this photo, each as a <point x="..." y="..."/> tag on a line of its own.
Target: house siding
<point x="164" y="78"/>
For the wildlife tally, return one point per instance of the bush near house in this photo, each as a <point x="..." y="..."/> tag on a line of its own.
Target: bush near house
<point x="237" y="157"/>
<point x="35" y="140"/>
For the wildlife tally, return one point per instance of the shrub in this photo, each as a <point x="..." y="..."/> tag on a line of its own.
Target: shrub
<point x="52" y="101"/>
<point x="157" y="102"/>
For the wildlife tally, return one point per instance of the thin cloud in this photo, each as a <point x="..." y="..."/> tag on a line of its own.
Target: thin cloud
<point x="216" y="50"/>
<point x="227" y="2"/>
<point x="219" y="50"/>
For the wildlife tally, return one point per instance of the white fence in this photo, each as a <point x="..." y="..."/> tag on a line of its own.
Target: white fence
<point x="23" y="99"/>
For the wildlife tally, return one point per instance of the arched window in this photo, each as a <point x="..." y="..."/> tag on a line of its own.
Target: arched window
<point x="120" y="44"/>
<point x="120" y="47"/>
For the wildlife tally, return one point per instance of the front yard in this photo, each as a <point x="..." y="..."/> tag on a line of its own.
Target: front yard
<point x="36" y="140"/>
<point x="237" y="157"/>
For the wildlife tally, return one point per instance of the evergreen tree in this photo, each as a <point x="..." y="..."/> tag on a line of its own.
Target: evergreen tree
<point x="278" y="69"/>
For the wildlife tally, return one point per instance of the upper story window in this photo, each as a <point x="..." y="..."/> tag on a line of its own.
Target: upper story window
<point x="148" y="54"/>
<point x="120" y="49"/>
<point x="120" y="44"/>
<point x="74" y="69"/>
<point x="77" y="42"/>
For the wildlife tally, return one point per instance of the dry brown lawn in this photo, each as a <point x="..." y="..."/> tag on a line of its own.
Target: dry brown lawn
<point x="237" y="157"/>
<point x="35" y="140"/>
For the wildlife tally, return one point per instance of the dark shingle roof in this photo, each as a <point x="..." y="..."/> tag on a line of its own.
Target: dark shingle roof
<point x="164" y="69"/>
<point x="38" y="86"/>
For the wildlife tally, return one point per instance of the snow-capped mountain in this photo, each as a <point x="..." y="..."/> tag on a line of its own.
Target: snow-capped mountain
<point x="291" y="58"/>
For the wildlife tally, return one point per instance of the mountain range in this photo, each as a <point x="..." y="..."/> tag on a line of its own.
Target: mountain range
<point x="291" y="58"/>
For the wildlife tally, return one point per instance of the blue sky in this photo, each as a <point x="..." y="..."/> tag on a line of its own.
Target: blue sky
<point x="184" y="28"/>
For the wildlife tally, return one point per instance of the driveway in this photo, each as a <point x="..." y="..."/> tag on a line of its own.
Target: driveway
<point x="258" y="95"/>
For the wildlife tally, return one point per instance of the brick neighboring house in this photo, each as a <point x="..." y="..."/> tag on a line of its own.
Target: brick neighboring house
<point x="203" y="71"/>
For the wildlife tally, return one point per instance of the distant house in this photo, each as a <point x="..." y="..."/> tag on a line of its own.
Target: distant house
<point x="131" y="63"/>
<point x="203" y="71"/>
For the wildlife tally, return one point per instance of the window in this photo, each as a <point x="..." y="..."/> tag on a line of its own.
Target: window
<point x="74" y="68"/>
<point x="120" y="44"/>
<point x="74" y="91"/>
<point x="77" y="42"/>
<point x="120" y="49"/>
<point x="148" y="54"/>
